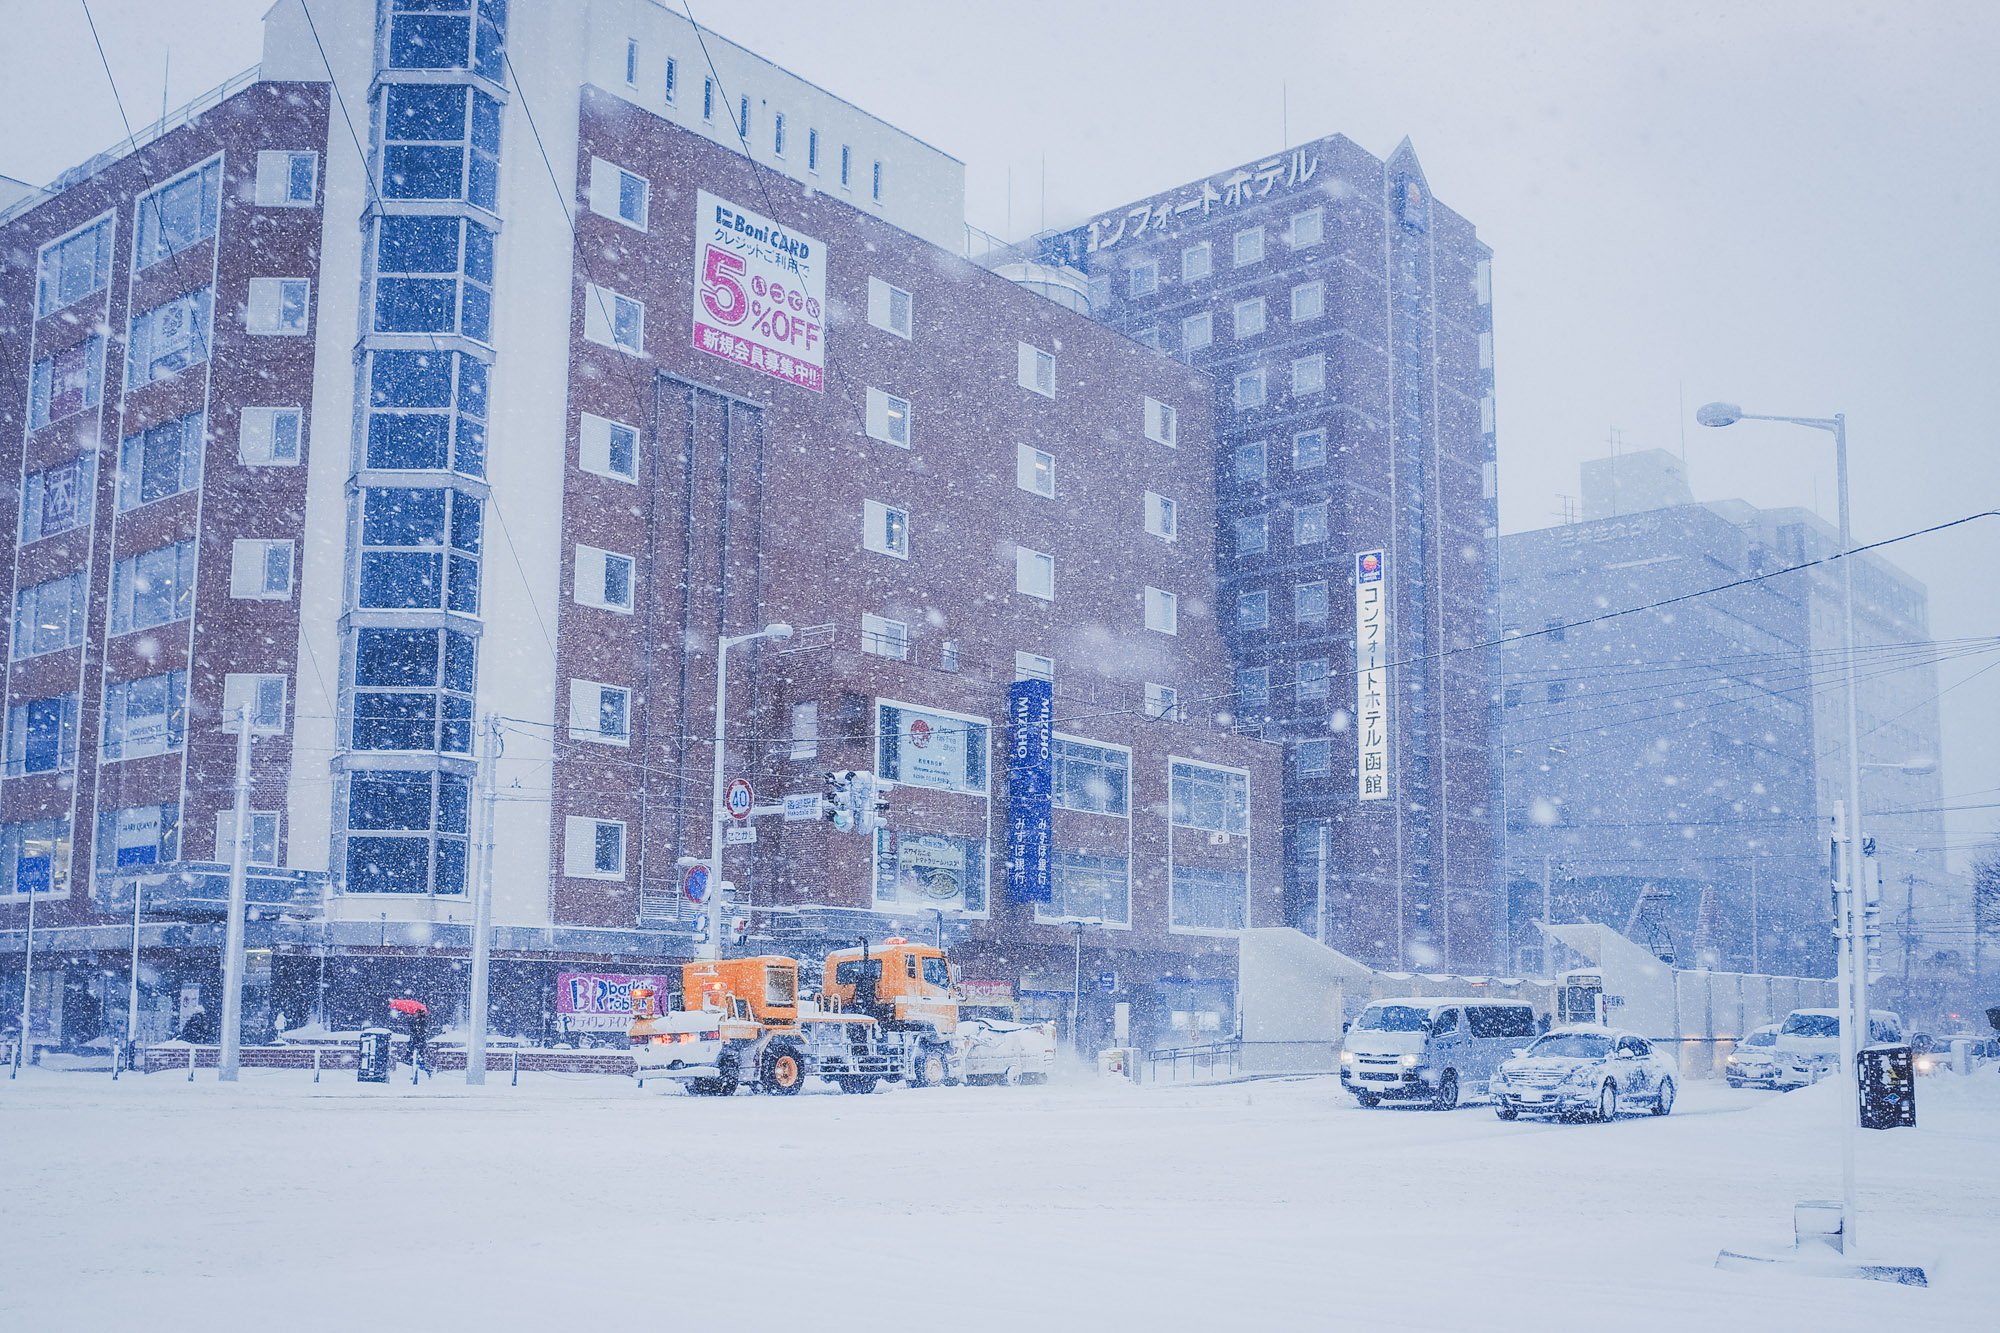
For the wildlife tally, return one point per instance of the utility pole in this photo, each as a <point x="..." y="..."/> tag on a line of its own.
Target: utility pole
<point x="482" y="906"/>
<point x="28" y="971"/>
<point x="132" y="1002"/>
<point x="239" y="892"/>
<point x="1319" y="920"/>
<point x="1909" y="925"/>
<point x="1756" y="942"/>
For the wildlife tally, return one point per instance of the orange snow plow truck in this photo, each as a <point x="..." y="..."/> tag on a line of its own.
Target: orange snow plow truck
<point x="888" y="1015"/>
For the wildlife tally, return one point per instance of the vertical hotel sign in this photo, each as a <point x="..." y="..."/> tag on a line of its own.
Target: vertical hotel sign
<point x="1371" y="676"/>
<point x="760" y="293"/>
<point x="1030" y="790"/>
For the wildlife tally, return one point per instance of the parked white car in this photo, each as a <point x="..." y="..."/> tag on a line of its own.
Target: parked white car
<point x="1585" y="1072"/>
<point x="1754" y="1062"/>
<point x="993" y="1050"/>
<point x="1808" y="1046"/>
<point x="1428" y="1048"/>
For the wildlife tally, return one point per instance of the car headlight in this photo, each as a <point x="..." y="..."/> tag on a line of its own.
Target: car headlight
<point x="1924" y="1066"/>
<point x="1412" y="1061"/>
<point x="1499" y="1076"/>
<point x="1579" y="1077"/>
<point x="1347" y="1057"/>
<point x="1730" y="1061"/>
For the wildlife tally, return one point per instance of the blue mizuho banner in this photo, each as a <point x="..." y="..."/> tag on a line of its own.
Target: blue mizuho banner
<point x="1030" y="789"/>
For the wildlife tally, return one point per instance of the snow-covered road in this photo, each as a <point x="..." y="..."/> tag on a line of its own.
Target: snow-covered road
<point x="585" y="1202"/>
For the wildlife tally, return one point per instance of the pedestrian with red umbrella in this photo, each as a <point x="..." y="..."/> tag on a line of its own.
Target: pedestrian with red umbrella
<point x="418" y="1017"/>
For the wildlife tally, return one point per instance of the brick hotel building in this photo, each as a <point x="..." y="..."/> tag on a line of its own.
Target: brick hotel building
<point x="363" y="396"/>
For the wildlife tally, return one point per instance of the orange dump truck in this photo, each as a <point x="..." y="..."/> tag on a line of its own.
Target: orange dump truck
<point x="887" y="1015"/>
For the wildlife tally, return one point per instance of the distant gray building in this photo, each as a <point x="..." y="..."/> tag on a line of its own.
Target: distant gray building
<point x="1674" y="771"/>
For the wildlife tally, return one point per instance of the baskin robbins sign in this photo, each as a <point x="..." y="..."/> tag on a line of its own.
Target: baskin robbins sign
<point x="760" y="297"/>
<point x="602" y="1001"/>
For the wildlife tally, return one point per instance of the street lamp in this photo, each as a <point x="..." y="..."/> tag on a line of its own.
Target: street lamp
<point x="777" y="630"/>
<point x="1854" y="948"/>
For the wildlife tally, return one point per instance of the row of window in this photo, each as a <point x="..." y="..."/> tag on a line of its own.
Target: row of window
<point x="888" y="418"/>
<point x="1310" y="681"/>
<point x="1252" y="460"/>
<point x="1142" y="276"/>
<point x="142" y="718"/>
<point x="780" y="128"/>
<point x="1034" y="576"/>
<point x="1248" y="317"/>
<point x="885" y="529"/>
<point x="1309" y="528"/>
<point x="148" y="589"/>
<point x="1309" y="606"/>
<point x="37" y="853"/>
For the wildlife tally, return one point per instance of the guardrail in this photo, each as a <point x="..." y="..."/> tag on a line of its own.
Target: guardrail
<point x="1220" y="1059"/>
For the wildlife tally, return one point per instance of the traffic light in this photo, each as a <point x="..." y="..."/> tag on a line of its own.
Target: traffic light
<point x="838" y="807"/>
<point x="871" y="802"/>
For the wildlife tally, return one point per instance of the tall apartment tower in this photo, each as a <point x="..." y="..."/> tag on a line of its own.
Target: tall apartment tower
<point x="1345" y="316"/>
<point x="468" y="373"/>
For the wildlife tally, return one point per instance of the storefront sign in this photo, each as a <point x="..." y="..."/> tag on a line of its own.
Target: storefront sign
<point x="929" y="871"/>
<point x="1030" y="787"/>
<point x="138" y="836"/>
<point x="921" y="749"/>
<point x="602" y="1001"/>
<point x="1371" y="675"/>
<point x="1240" y="187"/>
<point x="761" y="298"/>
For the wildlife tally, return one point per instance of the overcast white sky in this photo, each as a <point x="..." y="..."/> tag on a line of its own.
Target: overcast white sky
<point x="1794" y="206"/>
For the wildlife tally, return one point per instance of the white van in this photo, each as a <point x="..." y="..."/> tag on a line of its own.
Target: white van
<point x="1808" y="1046"/>
<point x="1428" y="1048"/>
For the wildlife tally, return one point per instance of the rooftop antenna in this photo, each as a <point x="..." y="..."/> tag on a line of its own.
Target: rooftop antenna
<point x="165" y="75"/>
<point x="1285" y="113"/>
<point x="1045" y="195"/>
<point x="1684" y="422"/>
<point x="1010" y="203"/>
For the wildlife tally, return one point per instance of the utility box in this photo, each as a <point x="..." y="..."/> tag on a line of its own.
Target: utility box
<point x="1888" y="1088"/>
<point x="375" y="1055"/>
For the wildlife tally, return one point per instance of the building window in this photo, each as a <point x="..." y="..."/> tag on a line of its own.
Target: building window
<point x="1252" y="535"/>
<point x="1486" y="351"/>
<point x="1253" y="687"/>
<point x="1163" y="612"/>
<point x="58" y="499"/>
<point x="77" y="266"/>
<point x="434" y="275"/>
<point x="593" y="848"/>
<point x="168" y="339"/>
<point x="1309" y="374"/>
<point x="1215" y="800"/>
<point x="413" y="690"/>
<point x="278" y="306"/>
<point x="1091" y="778"/>
<point x="441" y="141"/>
<point x="743" y="117"/>
<point x="1034" y="574"/>
<point x="1311" y="680"/>
<point x="1148" y="337"/>
<point x="1143" y="279"/>
<point x="407" y="832"/>
<point x="260" y="697"/>
<point x="884" y="637"/>
<point x="1033" y="666"/>
<point x="1308" y="450"/>
<point x="1249" y="317"/>
<point x="889" y="308"/>
<point x="419" y="550"/>
<point x="632" y="63"/>
<point x="948" y="655"/>
<point x="1034" y="470"/>
<point x="1309" y="602"/>
<point x="708" y="99"/>
<point x="614" y="320"/>
<point x="1162" y="423"/>
<point x="1253" y="609"/>
<point x="41" y="736"/>
<point x="607" y="448"/>
<point x="1088" y="888"/>
<point x="179" y="214"/>
<point x="778" y="135"/>
<point x="263" y="848"/>
<point x="888" y="418"/>
<point x="885" y="529"/>
<point x="846" y="166"/>
<point x="448" y="34"/>
<point x="427" y="411"/>
<point x="269" y="436"/>
<point x="1196" y="262"/>
<point x="812" y="151"/>
<point x="1197" y="331"/>
<point x="805" y="730"/>
<point x="673" y="78"/>
<point x="1163" y="701"/>
<point x="145" y="717"/>
<point x="49" y="617"/>
<point x="1511" y="697"/>
<point x="600" y="713"/>
<point x="1308" y="228"/>
<point x="1249" y="246"/>
<point x="1250" y="389"/>
<point x="1162" y="516"/>
<point x="1036" y="370"/>
<point x="161" y="462"/>
<point x="1250" y="461"/>
<point x="69" y="382"/>
<point x="621" y="195"/>
<point x="34" y="858"/>
<point x="287" y="180"/>
<point x="603" y="579"/>
<point x="876" y="189"/>
<point x="261" y="569"/>
<point x="140" y="835"/>
<point x="1309" y="524"/>
<point x="1482" y="281"/>
<point x="1308" y="302"/>
<point x="153" y="588"/>
<point x="1558" y="691"/>
<point x="1314" y="756"/>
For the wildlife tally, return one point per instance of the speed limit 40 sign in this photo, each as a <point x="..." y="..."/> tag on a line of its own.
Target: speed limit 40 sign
<point x="738" y="799"/>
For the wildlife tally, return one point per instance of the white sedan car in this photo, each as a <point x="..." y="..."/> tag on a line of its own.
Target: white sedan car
<point x="1584" y="1072"/>
<point x="993" y="1050"/>
<point x="1754" y="1062"/>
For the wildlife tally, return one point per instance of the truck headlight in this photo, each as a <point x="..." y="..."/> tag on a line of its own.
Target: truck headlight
<point x="1412" y="1061"/>
<point x="1347" y="1057"/>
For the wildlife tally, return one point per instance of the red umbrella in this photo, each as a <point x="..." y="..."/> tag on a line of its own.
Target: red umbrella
<point x="411" y="1007"/>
